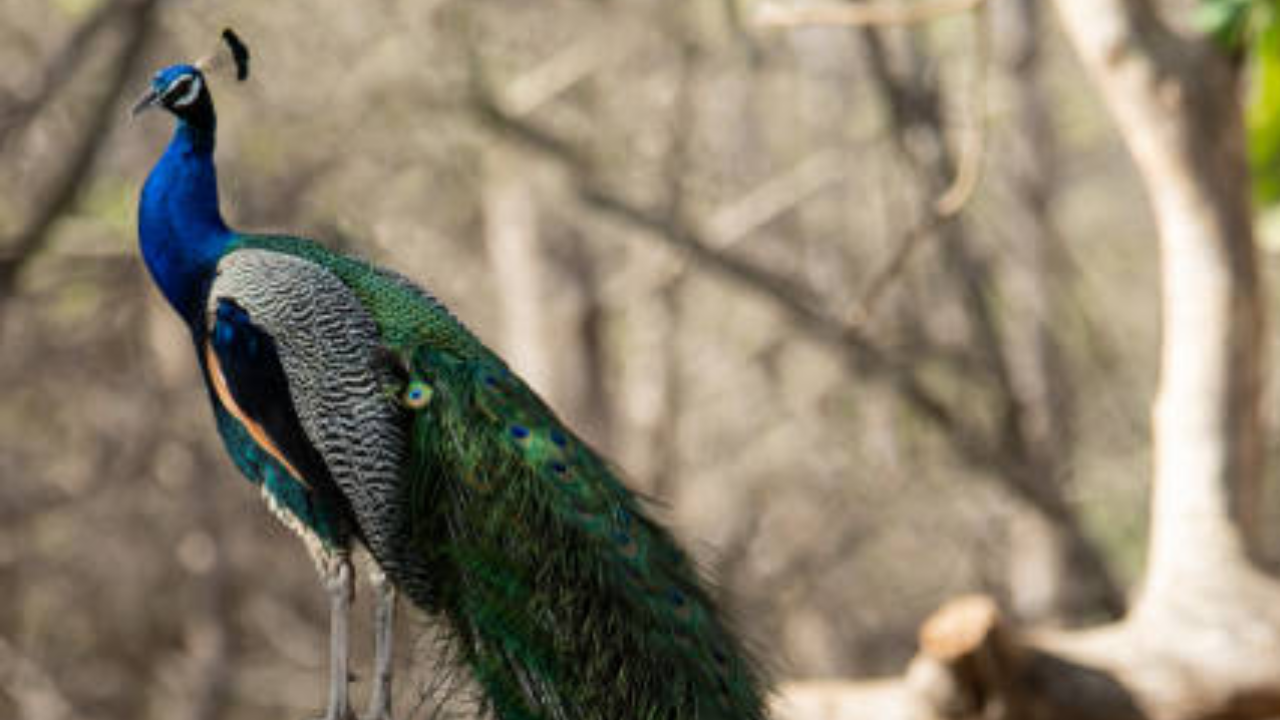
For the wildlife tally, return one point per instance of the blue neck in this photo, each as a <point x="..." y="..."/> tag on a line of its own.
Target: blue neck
<point x="180" y="229"/>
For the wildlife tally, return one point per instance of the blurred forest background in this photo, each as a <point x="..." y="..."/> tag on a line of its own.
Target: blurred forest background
<point x="873" y="313"/>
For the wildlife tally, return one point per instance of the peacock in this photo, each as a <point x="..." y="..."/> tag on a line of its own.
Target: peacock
<point x="370" y="417"/>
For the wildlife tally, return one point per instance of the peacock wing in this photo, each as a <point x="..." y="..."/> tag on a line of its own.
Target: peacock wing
<point x="328" y="348"/>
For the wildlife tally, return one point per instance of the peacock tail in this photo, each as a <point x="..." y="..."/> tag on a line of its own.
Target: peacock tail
<point x="566" y="598"/>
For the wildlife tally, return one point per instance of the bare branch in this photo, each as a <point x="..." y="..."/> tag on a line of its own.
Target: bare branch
<point x="566" y="69"/>
<point x="875" y="289"/>
<point x="879" y="14"/>
<point x="973" y="147"/>
<point x="776" y="196"/>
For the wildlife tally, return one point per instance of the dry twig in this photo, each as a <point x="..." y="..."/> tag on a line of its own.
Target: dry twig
<point x="957" y="195"/>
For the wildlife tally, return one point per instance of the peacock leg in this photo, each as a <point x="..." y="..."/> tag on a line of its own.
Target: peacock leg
<point x="338" y="584"/>
<point x="383" y="623"/>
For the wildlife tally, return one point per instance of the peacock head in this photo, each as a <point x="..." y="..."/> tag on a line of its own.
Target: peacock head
<point x="182" y="89"/>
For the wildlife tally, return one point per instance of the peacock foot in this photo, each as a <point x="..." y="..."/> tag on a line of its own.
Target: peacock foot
<point x="338" y="585"/>
<point x="379" y="707"/>
<point x="383" y="622"/>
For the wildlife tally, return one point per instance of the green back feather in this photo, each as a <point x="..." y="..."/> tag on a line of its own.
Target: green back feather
<point x="563" y="597"/>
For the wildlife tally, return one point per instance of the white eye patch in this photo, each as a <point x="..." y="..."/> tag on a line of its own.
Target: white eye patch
<point x="188" y="96"/>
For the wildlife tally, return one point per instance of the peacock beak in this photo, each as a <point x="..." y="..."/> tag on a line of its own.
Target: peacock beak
<point x="148" y="100"/>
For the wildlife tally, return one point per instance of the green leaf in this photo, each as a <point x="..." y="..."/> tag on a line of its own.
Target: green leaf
<point x="1263" y="114"/>
<point x="1227" y="21"/>
<point x="1251" y="29"/>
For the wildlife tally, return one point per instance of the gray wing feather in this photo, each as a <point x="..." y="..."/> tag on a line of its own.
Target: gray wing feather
<point x="328" y="346"/>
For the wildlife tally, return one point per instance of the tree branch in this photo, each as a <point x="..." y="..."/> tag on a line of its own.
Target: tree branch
<point x="1175" y="102"/>
<point x="775" y="196"/>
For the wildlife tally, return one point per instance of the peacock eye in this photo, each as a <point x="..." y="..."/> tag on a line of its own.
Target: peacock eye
<point x="183" y="91"/>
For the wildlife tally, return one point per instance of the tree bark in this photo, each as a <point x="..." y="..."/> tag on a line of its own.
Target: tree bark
<point x="1175" y="101"/>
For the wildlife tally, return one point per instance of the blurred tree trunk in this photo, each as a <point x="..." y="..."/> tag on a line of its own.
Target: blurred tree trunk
<point x="665" y="434"/>
<point x="511" y="239"/>
<point x="1204" y="639"/>
<point x="1176" y="103"/>
<point x="582" y="375"/>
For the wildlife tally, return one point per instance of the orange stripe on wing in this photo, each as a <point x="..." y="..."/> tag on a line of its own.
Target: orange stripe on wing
<point x="256" y="431"/>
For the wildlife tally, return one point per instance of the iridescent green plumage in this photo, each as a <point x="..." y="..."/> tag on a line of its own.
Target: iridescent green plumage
<point x="562" y="596"/>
